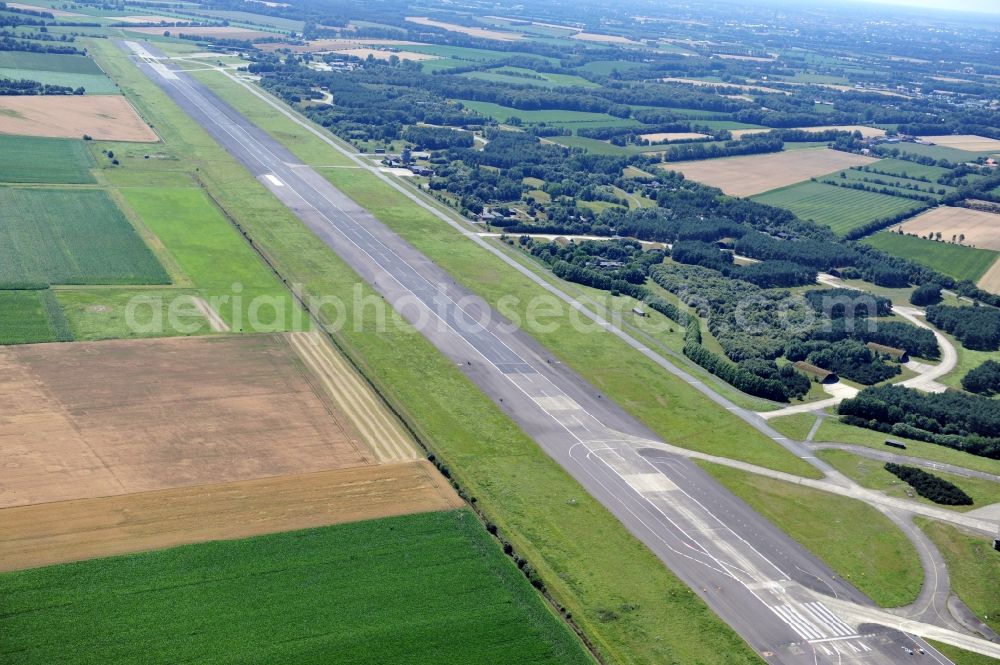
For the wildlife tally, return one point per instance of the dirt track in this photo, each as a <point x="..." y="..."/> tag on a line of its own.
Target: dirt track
<point x="64" y="531"/>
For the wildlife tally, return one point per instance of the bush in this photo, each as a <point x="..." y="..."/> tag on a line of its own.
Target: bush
<point x="926" y="294"/>
<point x="930" y="486"/>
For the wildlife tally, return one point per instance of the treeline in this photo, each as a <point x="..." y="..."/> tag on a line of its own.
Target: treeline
<point x="26" y="87"/>
<point x="740" y="377"/>
<point x="8" y="43"/>
<point x="749" y="145"/>
<point x="976" y="328"/>
<point x="930" y="486"/>
<point x="954" y="419"/>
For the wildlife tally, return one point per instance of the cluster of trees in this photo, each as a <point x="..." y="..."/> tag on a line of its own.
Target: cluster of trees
<point x="437" y="138"/>
<point x="930" y="486"/>
<point x="848" y="358"/>
<point x="15" y="87"/>
<point x="954" y="419"/>
<point x="984" y="380"/>
<point x="877" y="186"/>
<point x="975" y="327"/>
<point x="926" y="294"/>
<point x="766" y="274"/>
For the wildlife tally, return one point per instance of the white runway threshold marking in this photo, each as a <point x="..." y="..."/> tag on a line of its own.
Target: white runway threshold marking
<point x="814" y="622"/>
<point x="274" y="180"/>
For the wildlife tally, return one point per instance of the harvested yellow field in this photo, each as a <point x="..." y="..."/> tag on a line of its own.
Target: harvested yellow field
<point x="102" y="117"/>
<point x="481" y="33"/>
<point x="222" y="32"/>
<point x="381" y="54"/>
<point x="981" y="229"/>
<point x="755" y="174"/>
<point x="144" y="19"/>
<point x="968" y="142"/>
<point x="604" y="39"/>
<point x="50" y="533"/>
<point x="39" y="8"/>
<point x="660" y="137"/>
<point x="990" y="281"/>
<point x="715" y="84"/>
<point x="866" y="132"/>
<point x="321" y="45"/>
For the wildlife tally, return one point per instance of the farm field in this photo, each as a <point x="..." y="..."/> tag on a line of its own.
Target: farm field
<point x="219" y="32"/>
<point x="545" y="79"/>
<point x="103" y="117"/>
<point x="62" y="531"/>
<point x="968" y="142"/>
<point x="481" y="33"/>
<point x="754" y="174"/>
<point x="422" y="588"/>
<point x="56" y="69"/>
<point x="248" y="17"/>
<point x="553" y="117"/>
<point x="62" y="236"/>
<point x="841" y="209"/>
<point x="990" y="281"/>
<point x="91" y="83"/>
<point x="26" y="318"/>
<point x="249" y="410"/>
<point x="932" y="151"/>
<point x="25" y="159"/>
<point x="956" y="261"/>
<point x="903" y="187"/>
<point x="903" y="168"/>
<point x="866" y="131"/>
<point x="213" y="256"/>
<point x="981" y="229"/>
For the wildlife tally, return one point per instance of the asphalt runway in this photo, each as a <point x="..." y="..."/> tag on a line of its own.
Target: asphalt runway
<point x="764" y="585"/>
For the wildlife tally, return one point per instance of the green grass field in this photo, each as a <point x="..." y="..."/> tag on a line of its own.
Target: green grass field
<point x="213" y="256"/>
<point x="53" y="236"/>
<point x="25" y="159"/>
<point x="591" y="563"/>
<point x="901" y="186"/>
<point x="973" y="567"/>
<point x="551" y="117"/>
<point x="854" y="539"/>
<point x="901" y="167"/>
<point x="28" y="317"/>
<point x="93" y="84"/>
<point x="839" y="208"/>
<point x="56" y="69"/>
<point x="955" y="261"/>
<point x="872" y="474"/>
<point x="429" y="588"/>
<point x="934" y="152"/>
<point x="49" y="62"/>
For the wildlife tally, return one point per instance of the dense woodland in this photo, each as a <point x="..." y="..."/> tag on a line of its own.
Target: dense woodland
<point x="930" y="486"/>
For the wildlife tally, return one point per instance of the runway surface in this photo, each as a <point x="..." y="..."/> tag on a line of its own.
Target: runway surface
<point x="763" y="584"/>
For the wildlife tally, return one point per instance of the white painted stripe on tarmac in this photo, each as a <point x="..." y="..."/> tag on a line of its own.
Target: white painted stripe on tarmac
<point x="274" y="180"/>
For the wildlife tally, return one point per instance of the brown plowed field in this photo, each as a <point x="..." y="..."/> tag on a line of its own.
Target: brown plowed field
<point x="990" y="281"/>
<point x="64" y="531"/>
<point x="97" y="419"/>
<point x="981" y="228"/>
<point x="102" y="117"/>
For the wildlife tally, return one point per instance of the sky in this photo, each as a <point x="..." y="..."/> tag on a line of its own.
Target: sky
<point x="991" y="6"/>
